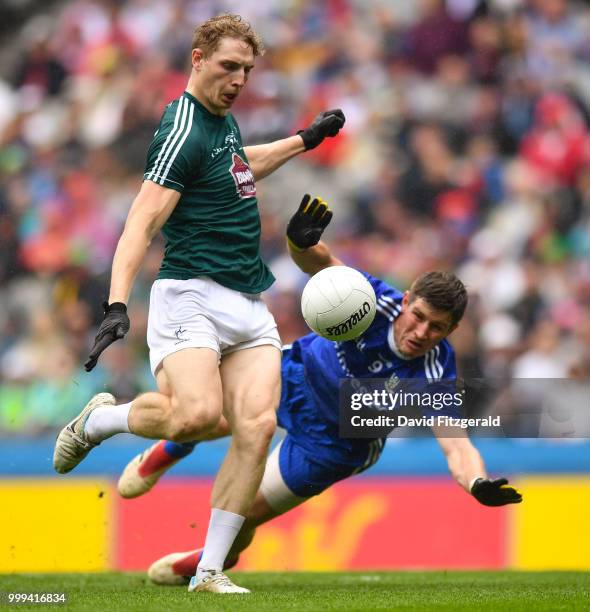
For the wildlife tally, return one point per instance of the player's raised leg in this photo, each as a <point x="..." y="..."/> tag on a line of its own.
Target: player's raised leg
<point x="190" y="406"/>
<point x="251" y="389"/>
<point x="193" y="391"/>
<point x="73" y="443"/>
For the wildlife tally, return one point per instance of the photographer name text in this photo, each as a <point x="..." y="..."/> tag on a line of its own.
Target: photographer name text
<point x="430" y="421"/>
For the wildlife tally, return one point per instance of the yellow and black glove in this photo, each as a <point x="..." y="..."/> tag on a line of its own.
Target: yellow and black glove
<point x="495" y="492"/>
<point x="307" y="224"/>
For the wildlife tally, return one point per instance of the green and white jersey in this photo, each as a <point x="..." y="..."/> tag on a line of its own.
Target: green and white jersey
<point x="214" y="230"/>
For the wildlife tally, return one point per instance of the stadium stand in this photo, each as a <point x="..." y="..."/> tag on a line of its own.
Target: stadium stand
<point x="466" y="151"/>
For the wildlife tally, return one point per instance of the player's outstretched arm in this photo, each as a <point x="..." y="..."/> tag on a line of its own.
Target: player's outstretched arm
<point x="149" y="211"/>
<point x="264" y="159"/>
<point x="468" y="469"/>
<point x="303" y="236"/>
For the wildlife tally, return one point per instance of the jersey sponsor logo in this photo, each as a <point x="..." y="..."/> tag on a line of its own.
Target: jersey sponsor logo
<point x="349" y="323"/>
<point x="243" y="177"/>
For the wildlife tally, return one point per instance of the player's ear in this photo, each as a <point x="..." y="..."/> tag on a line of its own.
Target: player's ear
<point x="406" y="300"/>
<point x="197" y="58"/>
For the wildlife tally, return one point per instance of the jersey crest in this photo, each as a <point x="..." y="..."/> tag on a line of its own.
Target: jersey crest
<point x="243" y="177"/>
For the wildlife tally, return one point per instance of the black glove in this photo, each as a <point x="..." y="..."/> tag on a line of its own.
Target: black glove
<point x="114" y="326"/>
<point x="325" y="124"/>
<point x="495" y="492"/>
<point x="307" y="224"/>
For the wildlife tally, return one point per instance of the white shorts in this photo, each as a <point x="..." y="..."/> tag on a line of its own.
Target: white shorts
<point x="200" y="313"/>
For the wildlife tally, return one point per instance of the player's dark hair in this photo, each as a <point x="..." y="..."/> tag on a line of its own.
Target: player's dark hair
<point x="442" y="291"/>
<point x="208" y="35"/>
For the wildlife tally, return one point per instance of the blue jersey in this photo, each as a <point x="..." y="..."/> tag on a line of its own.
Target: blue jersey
<point x="371" y="355"/>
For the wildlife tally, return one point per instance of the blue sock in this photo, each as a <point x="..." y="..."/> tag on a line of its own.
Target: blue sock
<point x="178" y="451"/>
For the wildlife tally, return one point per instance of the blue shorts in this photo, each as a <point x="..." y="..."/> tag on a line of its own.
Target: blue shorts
<point x="312" y="457"/>
<point x="306" y="476"/>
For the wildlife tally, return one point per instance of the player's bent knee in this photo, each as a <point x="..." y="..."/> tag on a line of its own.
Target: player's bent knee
<point x="193" y="419"/>
<point x="256" y="432"/>
<point x="266" y="427"/>
<point x="181" y="430"/>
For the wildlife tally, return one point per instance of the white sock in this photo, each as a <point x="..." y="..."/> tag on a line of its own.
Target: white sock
<point x="106" y="421"/>
<point x="223" y="529"/>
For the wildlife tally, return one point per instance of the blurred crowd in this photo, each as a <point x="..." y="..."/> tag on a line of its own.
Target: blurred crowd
<point x="466" y="147"/>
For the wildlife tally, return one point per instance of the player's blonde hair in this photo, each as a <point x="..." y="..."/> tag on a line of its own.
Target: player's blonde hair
<point x="208" y="35"/>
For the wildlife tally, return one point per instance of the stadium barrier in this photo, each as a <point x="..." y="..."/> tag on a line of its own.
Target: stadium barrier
<point x="392" y="519"/>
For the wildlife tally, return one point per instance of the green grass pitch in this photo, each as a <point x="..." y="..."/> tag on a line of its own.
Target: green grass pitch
<point x="318" y="591"/>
